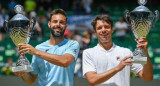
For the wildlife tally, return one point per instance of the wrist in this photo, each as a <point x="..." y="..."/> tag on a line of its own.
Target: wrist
<point x="116" y="69"/>
<point x="36" y="52"/>
<point x="23" y="75"/>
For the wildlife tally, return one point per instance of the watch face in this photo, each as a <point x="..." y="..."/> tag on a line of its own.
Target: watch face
<point x="18" y="9"/>
<point x="142" y="2"/>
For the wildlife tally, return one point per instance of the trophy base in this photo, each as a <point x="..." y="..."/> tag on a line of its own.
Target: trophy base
<point x="24" y="68"/>
<point x="139" y="56"/>
<point x="140" y="60"/>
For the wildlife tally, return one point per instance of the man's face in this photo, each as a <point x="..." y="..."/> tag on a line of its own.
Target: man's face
<point x="103" y="31"/>
<point x="57" y="25"/>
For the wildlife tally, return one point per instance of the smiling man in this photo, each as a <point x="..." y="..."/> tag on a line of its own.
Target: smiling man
<point x="54" y="60"/>
<point x="108" y="64"/>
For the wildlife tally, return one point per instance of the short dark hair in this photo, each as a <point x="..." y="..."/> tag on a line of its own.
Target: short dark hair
<point x="102" y="17"/>
<point x="58" y="11"/>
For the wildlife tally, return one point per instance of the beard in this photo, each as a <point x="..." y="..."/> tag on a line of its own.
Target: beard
<point x="57" y="33"/>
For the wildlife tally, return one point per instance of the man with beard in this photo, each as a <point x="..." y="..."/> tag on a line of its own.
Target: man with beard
<point x="54" y="60"/>
<point x="108" y="64"/>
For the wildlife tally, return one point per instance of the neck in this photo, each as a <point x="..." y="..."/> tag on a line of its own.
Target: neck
<point x="106" y="45"/>
<point x="55" y="40"/>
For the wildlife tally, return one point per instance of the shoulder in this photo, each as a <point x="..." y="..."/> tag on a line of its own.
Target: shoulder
<point x="72" y="42"/>
<point x="90" y="50"/>
<point x="43" y="44"/>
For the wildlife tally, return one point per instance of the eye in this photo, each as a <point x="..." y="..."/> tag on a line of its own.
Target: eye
<point x="63" y="22"/>
<point x="98" y="28"/>
<point x="54" y="21"/>
<point x="106" y="27"/>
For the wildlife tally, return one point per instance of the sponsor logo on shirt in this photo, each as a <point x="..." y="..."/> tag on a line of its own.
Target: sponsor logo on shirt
<point x="118" y="58"/>
<point x="75" y="51"/>
<point x="46" y="50"/>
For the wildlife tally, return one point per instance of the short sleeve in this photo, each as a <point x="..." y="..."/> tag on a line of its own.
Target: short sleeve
<point x="34" y="65"/>
<point x="88" y="63"/>
<point x="73" y="49"/>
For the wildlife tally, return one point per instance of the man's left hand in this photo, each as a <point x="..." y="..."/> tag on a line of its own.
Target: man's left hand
<point x="143" y="43"/>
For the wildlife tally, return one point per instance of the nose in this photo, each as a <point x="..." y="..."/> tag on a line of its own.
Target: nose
<point x="103" y="29"/>
<point x="58" y="23"/>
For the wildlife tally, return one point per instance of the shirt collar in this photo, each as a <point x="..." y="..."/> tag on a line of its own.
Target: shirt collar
<point x="102" y="49"/>
<point x="60" y="44"/>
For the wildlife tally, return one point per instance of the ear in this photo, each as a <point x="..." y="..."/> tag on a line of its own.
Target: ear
<point x="66" y="25"/>
<point x="95" y="32"/>
<point x="112" y="30"/>
<point x="49" y="24"/>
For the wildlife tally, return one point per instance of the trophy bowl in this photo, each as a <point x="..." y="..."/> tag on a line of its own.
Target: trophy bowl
<point x="141" y="20"/>
<point x="19" y="29"/>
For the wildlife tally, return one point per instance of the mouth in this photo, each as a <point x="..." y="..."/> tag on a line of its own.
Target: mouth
<point x="104" y="35"/>
<point x="57" y="29"/>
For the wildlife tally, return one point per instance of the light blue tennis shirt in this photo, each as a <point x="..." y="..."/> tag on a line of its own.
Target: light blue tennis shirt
<point x="53" y="75"/>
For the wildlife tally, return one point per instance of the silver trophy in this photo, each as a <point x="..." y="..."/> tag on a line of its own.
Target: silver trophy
<point x="20" y="29"/>
<point x="141" y="20"/>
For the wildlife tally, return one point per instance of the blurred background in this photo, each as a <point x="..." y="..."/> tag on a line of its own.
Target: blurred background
<point x="80" y="14"/>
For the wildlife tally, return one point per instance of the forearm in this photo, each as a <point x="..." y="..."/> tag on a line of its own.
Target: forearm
<point x="105" y="76"/>
<point x="28" y="78"/>
<point x="52" y="58"/>
<point x="61" y="60"/>
<point x="148" y="70"/>
<point x="102" y="77"/>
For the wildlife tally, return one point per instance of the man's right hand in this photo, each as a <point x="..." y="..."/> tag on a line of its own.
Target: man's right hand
<point x="20" y="74"/>
<point x="124" y="62"/>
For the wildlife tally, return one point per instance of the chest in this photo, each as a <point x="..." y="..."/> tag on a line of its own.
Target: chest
<point x="107" y="60"/>
<point x="55" y="50"/>
<point x="45" y="65"/>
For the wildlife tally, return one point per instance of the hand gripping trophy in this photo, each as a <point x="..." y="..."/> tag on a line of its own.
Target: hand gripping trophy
<point x="20" y="29"/>
<point x="141" y="20"/>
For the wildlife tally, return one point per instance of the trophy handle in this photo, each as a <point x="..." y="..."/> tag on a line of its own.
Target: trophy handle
<point x="157" y="15"/>
<point x="156" y="18"/>
<point x="5" y="25"/>
<point x="126" y="16"/>
<point x="31" y="26"/>
<point x="33" y="22"/>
